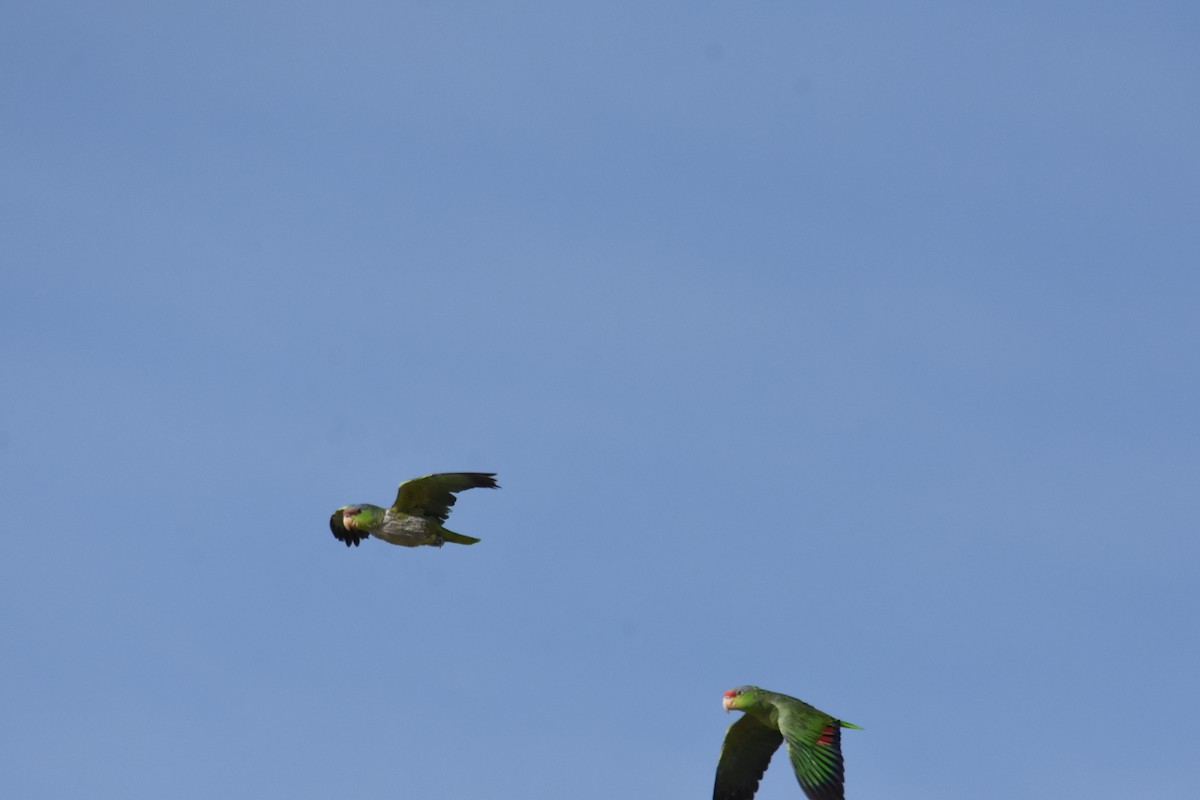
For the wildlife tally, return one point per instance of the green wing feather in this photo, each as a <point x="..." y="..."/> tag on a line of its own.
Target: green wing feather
<point x="432" y="495"/>
<point x="815" y="747"/>
<point x="745" y="755"/>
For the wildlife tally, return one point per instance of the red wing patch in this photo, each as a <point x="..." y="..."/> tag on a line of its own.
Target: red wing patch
<point x="826" y="737"/>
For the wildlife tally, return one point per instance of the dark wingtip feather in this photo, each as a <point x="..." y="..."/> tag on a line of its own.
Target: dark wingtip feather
<point x="482" y="480"/>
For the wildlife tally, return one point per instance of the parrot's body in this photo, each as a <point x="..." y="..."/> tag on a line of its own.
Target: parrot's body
<point x="814" y="741"/>
<point x="415" y="519"/>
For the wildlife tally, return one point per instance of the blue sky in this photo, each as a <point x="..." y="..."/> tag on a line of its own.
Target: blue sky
<point x="846" y="349"/>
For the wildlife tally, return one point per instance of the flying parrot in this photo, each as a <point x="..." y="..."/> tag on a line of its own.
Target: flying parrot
<point x="422" y="505"/>
<point x="814" y="741"/>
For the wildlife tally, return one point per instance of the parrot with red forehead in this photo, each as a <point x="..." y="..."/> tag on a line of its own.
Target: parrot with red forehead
<point x="814" y="743"/>
<point x="415" y="519"/>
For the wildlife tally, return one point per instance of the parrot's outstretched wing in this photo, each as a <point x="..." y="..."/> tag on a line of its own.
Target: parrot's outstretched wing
<point x="815" y="747"/>
<point x="432" y="495"/>
<point x="744" y="757"/>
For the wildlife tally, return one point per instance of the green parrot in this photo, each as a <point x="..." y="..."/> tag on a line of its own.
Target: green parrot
<point x="422" y="505"/>
<point x="814" y="741"/>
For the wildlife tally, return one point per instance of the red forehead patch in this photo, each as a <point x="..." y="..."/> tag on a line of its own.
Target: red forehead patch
<point x="731" y="693"/>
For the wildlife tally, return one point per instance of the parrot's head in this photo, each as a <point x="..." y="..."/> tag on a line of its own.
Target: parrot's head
<point x="741" y="698"/>
<point x="362" y="517"/>
<point x="350" y="516"/>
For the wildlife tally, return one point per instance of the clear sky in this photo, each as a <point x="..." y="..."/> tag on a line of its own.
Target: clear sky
<point x="849" y="349"/>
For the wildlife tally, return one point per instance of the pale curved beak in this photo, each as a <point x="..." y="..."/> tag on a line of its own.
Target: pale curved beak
<point x="726" y="703"/>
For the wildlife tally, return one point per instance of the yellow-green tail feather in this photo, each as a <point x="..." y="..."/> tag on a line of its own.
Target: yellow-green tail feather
<point x="457" y="538"/>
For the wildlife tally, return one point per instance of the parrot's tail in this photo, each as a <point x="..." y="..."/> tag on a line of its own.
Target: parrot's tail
<point x="457" y="538"/>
